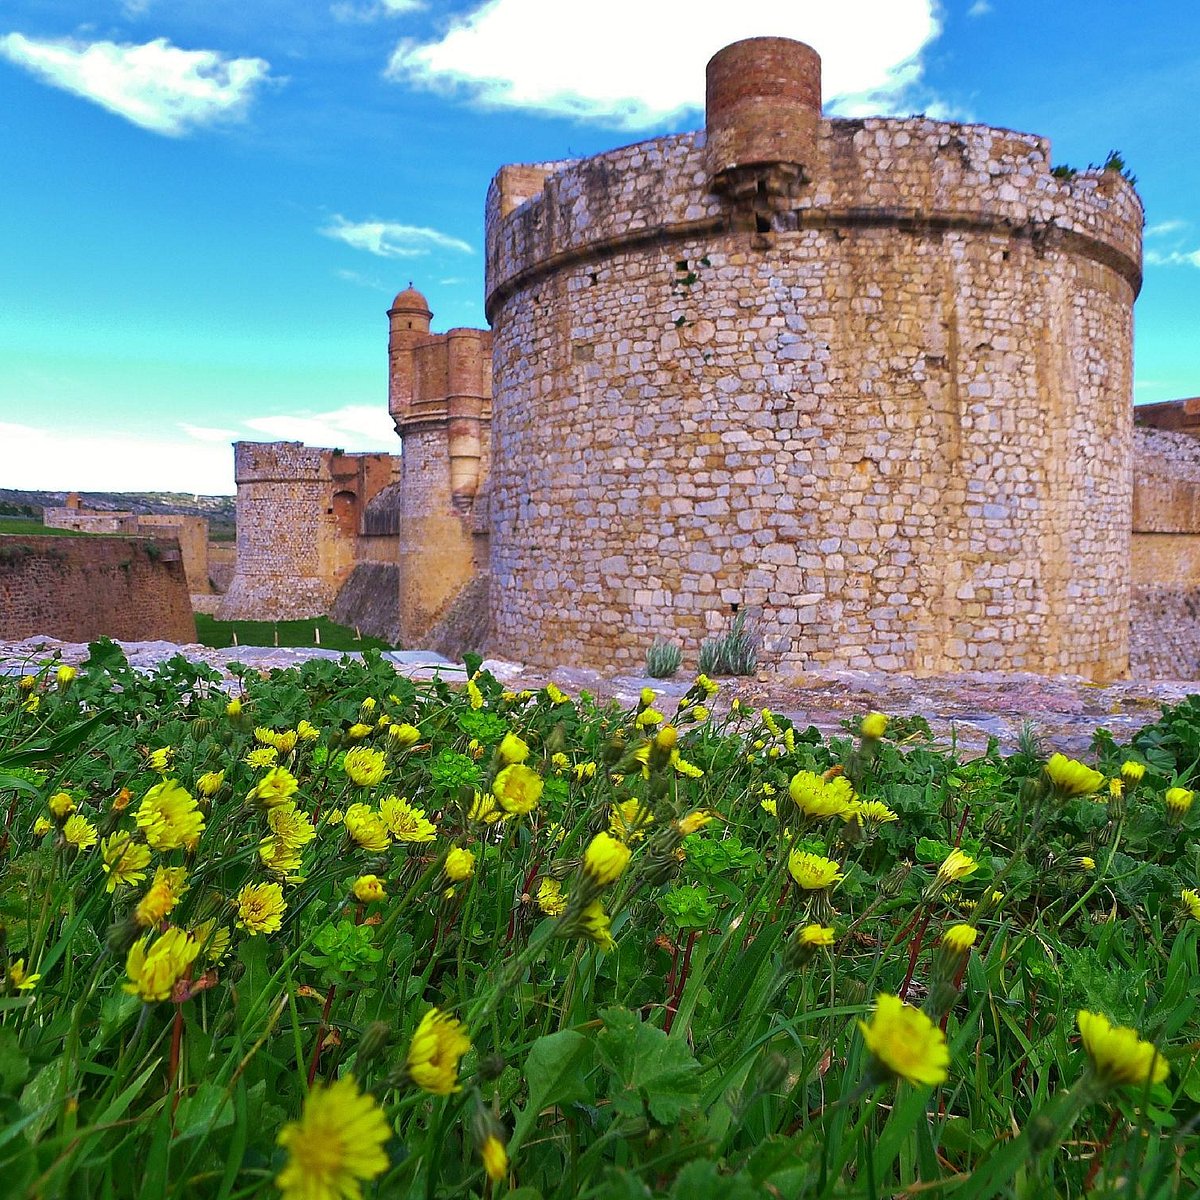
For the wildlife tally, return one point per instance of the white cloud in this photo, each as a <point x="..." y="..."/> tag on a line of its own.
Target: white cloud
<point x="206" y="433"/>
<point x="1165" y="227"/>
<point x="155" y="85"/>
<point x="345" y="10"/>
<point x="355" y="427"/>
<point x="388" y="239"/>
<point x="644" y="62"/>
<point x="979" y="9"/>
<point x="1175" y="258"/>
<point x="59" y="459"/>
<point x="360" y="280"/>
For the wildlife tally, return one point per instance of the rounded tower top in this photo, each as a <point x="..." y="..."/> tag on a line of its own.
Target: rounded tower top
<point x="412" y="306"/>
<point x="763" y="103"/>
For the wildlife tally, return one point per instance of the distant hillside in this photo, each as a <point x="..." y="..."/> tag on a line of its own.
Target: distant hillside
<point x="220" y="510"/>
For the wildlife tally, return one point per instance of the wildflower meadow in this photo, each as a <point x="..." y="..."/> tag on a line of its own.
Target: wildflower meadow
<point x="336" y="934"/>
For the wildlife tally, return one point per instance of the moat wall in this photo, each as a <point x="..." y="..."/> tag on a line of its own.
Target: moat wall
<point x="79" y="589"/>
<point x="881" y="403"/>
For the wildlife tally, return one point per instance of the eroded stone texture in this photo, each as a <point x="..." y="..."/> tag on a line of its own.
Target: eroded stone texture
<point x="878" y="399"/>
<point x="299" y="513"/>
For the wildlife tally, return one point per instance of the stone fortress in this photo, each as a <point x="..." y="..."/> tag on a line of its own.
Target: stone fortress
<point x="868" y="382"/>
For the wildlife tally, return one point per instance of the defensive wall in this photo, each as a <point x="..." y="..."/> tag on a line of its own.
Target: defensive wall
<point x="299" y="512"/>
<point x="79" y="589"/>
<point x="190" y="532"/>
<point x="1165" y="550"/>
<point x="868" y="381"/>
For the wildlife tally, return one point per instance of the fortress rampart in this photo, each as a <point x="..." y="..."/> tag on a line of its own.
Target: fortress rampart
<point x="298" y="520"/>
<point x="867" y="381"/>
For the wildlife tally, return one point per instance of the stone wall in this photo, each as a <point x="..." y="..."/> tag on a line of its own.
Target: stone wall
<point x="298" y="521"/>
<point x="78" y="589"/>
<point x="1165" y="553"/>
<point x="880" y="403"/>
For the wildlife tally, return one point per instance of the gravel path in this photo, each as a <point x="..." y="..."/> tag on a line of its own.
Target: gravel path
<point x="964" y="708"/>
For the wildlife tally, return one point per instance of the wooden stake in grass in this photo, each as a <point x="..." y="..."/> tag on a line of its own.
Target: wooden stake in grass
<point x="317" y="634"/>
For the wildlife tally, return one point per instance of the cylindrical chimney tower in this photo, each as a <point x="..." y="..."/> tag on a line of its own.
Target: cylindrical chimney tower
<point x="763" y="101"/>
<point x="408" y="325"/>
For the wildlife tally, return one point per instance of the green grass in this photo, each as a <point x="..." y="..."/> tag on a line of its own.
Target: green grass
<point x="34" y="528"/>
<point x="211" y="632"/>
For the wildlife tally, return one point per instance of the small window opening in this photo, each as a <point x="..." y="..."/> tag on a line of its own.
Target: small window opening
<point x="733" y="608"/>
<point x="762" y="224"/>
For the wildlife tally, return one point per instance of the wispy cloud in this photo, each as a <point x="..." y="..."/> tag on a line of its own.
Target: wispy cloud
<point x="979" y="9"/>
<point x="644" y="64"/>
<point x="361" y="280"/>
<point x="374" y="10"/>
<point x="1162" y="228"/>
<point x="390" y="239"/>
<point x="208" y="433"/>
<point x="1173" y="258"/>
<point x="154" y="85"/>
<point x="353" y="427"/>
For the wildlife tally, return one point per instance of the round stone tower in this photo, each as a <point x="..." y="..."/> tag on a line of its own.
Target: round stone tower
<point x="868" y="382"/>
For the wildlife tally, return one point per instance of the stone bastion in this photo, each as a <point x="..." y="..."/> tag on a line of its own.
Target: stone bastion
<point x="867" y="381"/>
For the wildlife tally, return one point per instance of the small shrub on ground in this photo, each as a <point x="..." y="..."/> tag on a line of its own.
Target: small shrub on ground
<point x="663" y="659"/>
<point x="732" y="653"/>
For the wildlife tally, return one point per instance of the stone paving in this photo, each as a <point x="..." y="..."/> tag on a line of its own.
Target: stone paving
<point x="963" y="709"/>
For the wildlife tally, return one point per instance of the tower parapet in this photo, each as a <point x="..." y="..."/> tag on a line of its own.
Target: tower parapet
<point x="869" y="381"/>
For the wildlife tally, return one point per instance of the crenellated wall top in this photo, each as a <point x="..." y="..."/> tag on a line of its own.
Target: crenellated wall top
<point x="912" y="172"/>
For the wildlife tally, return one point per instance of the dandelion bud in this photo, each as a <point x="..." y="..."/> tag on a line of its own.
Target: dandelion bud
<point x="614" y="748"/>
<point x="605" y="860"/>
<point x="892" y="884"/>
<point x="489" y="1139"/>
<point x="1070" y="777"/>
<point x="1132" y="772"/>
<point x="459" y="864"/>
<point x="646" y="699"/>
<point x="374" y="1041"/>
<point x="1042" y="1132"/>
<point x="61" y="806"/>
<point x="873" y="726"/>
<point x="64" y="677"/>
<point x="956" y="866"/>
<point x="233" y="710"/>
<point x="773" y="1072"/>
<point x="513" y="749"/>
<point x="1178" y="800"/>
<point x="26" y="684"/>
<point x="804" y="943"/>
<point x="491" y="1066"/>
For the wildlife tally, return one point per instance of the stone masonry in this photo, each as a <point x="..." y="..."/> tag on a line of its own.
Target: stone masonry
<point x="867" y="381"/>
<point x="299" y="513"/>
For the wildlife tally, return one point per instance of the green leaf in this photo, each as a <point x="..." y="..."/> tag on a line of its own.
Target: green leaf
<point x="555" y="1073"/>
<point x="14" y="1066"/>
<point x="649" y="1069"/>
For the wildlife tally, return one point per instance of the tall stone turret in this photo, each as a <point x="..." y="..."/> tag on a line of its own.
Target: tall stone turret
<point x="440" y="399"/>
<point x="867" y="381"/>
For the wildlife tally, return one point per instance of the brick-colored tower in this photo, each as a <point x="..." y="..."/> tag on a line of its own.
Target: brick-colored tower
<point x="440" y="396"/>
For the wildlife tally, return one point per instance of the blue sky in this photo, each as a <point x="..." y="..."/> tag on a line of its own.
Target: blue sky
<point x="206" y="205"/>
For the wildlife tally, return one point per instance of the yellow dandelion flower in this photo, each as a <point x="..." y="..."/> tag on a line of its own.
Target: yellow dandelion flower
<point x="366" y="828"/>
<point x="873" y="726"/>
<point x="260" y="907"/>
<point x="264" y="756"/>
<point x="707" y="686"/>
<point x="285" y="741"/>
<point x="31" y="704"/>
<point x="61" y="805"/>
<point x="904" y="1042"/>
<point x="165" y="891"/>
<point x="817" y="797"/>
<point x="233" y="709"/>
<point x="160" y="760"/>
<point x="366" y="767"/>
<point x="369" y="889"/>
<point x="1190" y="899"/>
<point x="605" y="860"/>
<point x="872" y="812"/>
<point x="306" y="731"/>
<point x="1132" y="772"/>
<point x="518" y="789"/>
<point x="434" y="1053"/>
<point x="65" y="676"/>
<point x="596" y="925"/>
<point x="683" y="767"/>
<point x="358" y="731"/>
<point x="649" y="716"/>
<point x="957" y="865"/>
<point x="213" y="939"/>
<point x="80" y="832"/>
<point x="483" y="808"/>
<point x="585" y="771"/>
<point x="41" y="827"/>
<point x="958" y="939"/>
<point x="406" y="822"/>
<point x="816" y="936"/>
<point x="335" y="1145"/>
<point x="276" y="786"/>
<point x="280" y="859"/>
<point x="550" y="898"/>
<point x="629" y="820"/>
<point x="554" y="695"/>
<point x="19" y="980"/>
<point x="155" y="969"/>
<point x="459" y="864"/>
<point x="811" y="871"/>
<point x="403" y="735"/>
<point x="1070" y="777"/>
<point x="495" y="1158"/>
<point x="210" y="783"/>
<point x="290" y="826"/>
<point x="26" y="684"/>
<point x="169" y="818"/>
<point x="124" y="861"/>
<point x="694" y="822"/>
<point x="1118" y="1055"/>
<point x="513" y="749"/>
